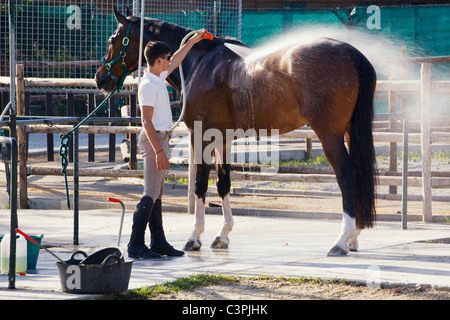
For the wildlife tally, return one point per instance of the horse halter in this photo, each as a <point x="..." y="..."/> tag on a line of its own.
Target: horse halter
<point x="122" y="55"/>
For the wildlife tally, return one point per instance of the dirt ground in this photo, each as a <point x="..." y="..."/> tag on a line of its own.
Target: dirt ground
<point x="283" y="289"/>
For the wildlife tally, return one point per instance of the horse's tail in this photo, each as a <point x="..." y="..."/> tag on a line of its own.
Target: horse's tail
<point x="362" y="151"/>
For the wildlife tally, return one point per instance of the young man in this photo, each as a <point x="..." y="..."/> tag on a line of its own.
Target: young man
<point x="154" y="145"/>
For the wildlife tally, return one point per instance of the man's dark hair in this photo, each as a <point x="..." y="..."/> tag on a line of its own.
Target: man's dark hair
<point x="154" y="50"/>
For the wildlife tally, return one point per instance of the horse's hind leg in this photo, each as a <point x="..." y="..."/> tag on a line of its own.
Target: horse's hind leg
<point x="201" y="186"/>
<point x="353" y="242"/>
<point x="339" y="159"/>
<point x="223" y="188"/>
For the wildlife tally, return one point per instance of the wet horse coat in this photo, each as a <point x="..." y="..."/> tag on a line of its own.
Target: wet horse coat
<point x="326" y="84"/>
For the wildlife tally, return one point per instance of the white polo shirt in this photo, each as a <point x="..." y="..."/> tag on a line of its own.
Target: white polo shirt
<point x="153" y="92"/>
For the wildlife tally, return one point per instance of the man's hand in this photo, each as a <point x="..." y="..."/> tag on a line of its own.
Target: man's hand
<point x="162" y="163"/>
<point x="181" y="53"/>
<point x="202" y="34"/>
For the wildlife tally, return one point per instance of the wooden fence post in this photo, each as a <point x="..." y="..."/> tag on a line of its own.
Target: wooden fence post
<point x="393" y="99"/>
<point x="21" y="137"/>
<point x="70" y="113"/>
<point x="308" y="149"/>
<point x="425" y="91"/>
<point x="49" y="112"/>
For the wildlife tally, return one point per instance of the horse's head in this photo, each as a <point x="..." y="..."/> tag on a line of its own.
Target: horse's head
<point x="122" y="55"/>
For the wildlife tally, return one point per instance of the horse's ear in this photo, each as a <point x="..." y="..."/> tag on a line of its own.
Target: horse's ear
<point x="119" y="17"/>
<point x="129" y="13"/>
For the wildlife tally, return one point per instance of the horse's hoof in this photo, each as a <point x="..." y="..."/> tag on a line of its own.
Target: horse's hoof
<point x="192" y="245"/>
<point x="220" y="243"/>
<point x="337" y="251"/>
<point x="352" y="246"/>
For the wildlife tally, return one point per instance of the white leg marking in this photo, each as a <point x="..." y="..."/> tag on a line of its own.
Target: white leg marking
<point x="353" y="242"/>
<point x="348" y="231"/>
<point x="194" y="243"/>
<point x="222" y="240"/>
<point x="228" y="221"/>
<point x="199" y="216"/>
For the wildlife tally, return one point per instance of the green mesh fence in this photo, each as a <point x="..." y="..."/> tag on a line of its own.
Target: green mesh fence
<point x="43" y="33"/>
<point x="425" y="30"/>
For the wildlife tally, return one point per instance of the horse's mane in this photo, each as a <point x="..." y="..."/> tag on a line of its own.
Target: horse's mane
<point x="175" y="33"/>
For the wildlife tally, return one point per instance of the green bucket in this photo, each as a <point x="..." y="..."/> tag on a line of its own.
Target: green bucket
<point x="32" y="251"/>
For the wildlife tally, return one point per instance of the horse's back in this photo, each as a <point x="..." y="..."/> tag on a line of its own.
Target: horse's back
<point x="326" y="81"/>
<point x="300" y="84"/>
<point x="326" y="62"/>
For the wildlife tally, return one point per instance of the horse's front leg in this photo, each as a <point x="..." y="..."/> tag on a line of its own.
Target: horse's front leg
<point x="201" y="186"/>
<point x="223" y="188"/>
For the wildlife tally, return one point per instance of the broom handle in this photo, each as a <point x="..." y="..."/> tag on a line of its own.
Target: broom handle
<point x="26" y="236"/>
<point x="42" y="247"/>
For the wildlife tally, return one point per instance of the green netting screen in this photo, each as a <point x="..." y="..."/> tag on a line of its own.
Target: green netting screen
<point x="43" y="33"/>
<point x="425" y="30"/>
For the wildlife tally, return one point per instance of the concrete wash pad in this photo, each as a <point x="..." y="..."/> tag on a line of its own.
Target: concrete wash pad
<point x="259" y="246"/>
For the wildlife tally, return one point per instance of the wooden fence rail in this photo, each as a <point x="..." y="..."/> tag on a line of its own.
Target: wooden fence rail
<point x="425" y="87"/>
<point x="247" y="176"/>
<point x="414" y="138"/>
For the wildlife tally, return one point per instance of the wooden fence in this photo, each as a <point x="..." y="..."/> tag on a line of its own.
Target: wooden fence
<point x="425" y="87"/>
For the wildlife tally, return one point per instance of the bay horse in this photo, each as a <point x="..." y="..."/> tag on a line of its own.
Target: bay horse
<point x="326" y="84"/>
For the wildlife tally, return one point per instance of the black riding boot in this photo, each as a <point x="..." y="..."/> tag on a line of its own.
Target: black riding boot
<point x="136" y="247"/>
<point x="159" y="243"/>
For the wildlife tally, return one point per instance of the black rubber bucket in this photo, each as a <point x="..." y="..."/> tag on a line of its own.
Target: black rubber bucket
<point x="103" y="272"/>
